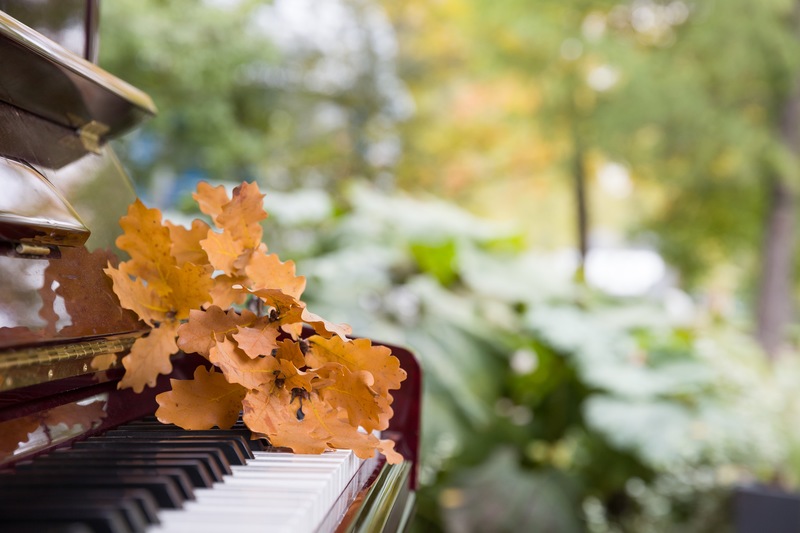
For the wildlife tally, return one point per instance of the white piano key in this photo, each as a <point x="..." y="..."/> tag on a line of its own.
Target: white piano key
<point x="274" y="492"/>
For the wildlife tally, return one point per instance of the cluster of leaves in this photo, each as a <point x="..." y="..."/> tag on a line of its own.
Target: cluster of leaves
<point x="191" y="286"/>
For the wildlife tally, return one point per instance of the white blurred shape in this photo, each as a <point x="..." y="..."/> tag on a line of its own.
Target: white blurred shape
<point x="621" y="272"/>
<point x="615" y="180"/>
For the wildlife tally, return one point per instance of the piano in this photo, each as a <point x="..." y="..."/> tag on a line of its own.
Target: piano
<point x="76" y="453"/>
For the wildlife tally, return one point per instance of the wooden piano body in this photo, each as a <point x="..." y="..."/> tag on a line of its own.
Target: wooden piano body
<point x="62" y="333"/>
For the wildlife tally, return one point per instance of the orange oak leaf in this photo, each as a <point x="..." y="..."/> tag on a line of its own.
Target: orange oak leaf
<point x="186" y="242"/>
<point x="133" y="294"/>
<point x="242" y="216"/>
<point x="269" y="272"/>
<point x="206" y="401"/>
<point x="239" y="368"/>
<point x="356" y="355"/>
<point x="223" y="251"/>
<point x="352" y="392"/>
<point x="294" y="378"/>
<point x="263" y="410"/>
<point x="149" y="357"/>
<point x="258" y="339"/>
<point x="205" y="328"/>
<point x="148" y="243"/>
<point x="228" y="291"/>
<point x="290" y="351"/>
<point x="323" y="327"/>
<point x="210" y="199"/>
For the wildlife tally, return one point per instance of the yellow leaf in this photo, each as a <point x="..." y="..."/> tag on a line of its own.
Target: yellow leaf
<point x="206" y="401"/>
<point x="149" y="357"/>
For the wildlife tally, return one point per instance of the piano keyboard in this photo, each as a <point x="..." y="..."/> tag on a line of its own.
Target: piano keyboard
<point x="150" y="478"/>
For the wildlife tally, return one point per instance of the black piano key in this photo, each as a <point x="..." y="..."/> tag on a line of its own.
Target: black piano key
<point x="52" y="509"/>
<point x="233" y="437"/>
<point x="178" y="476"/>
<point x="141" y="498"/>
<point x="46" y="527"/>
<point x="231" y="451"/>
<point x="168" y="430"/>
<point x="207" y="461"/>
<point x="239" y="428"/>
<point x="127" y="448"/>
<point x="163" y="489"/>
<point x="194" y="468"/>
<point x="98" y="520"/>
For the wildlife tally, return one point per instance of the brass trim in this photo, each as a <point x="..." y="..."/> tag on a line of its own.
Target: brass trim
<point x="91" y="136"/>
<point x="31" y="366"/>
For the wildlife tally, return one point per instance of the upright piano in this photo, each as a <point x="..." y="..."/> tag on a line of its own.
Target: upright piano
<point x="76" y="453"/>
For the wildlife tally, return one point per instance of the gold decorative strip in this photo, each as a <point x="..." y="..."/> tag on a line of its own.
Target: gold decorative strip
<point x="30" y="366"/>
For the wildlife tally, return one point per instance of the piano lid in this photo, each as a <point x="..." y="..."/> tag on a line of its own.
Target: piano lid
<point x="70" y="105"/>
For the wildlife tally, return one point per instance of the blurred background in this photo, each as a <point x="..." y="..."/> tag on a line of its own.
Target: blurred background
<point x="579" y="214"/>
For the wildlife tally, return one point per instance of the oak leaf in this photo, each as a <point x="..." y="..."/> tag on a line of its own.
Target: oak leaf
<point x="210" y="199"/>
<point x="242" y="216"/>
<point x="352" y="392"/>
<point x="148" y="243"/>
<point x="356" y="355"/>
<point x="186" y="242"/>
<point x="290" y="351"/>
<point x="325" y="328"/>
<point x="206" y="401"/>
<point x="205" y="328"/>
<point x="149" y="357"/>
<point x="241" y="369"/>
<point x="258" y="339"/>
<point x="269" y="272"/>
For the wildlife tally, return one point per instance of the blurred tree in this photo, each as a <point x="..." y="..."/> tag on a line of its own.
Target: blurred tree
<point x="286" y="92"/>
<point x="695" y="98"/>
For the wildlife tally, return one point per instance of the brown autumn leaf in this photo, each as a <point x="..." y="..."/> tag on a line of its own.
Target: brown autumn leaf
<point x="357" y="355"/>
<point x="210" y="199"/>
<point x="223" y="251"/>
<point x="290" y="351"/>
<point x="325" y="328"/>
<point x="241" y="369"/>
<point x="352" y="392"/>
<point x="149" y="357"/>
<point x="205" y="328"/>
<point x="228" y="291"/>
<point x="269" y="272"/>
<point x="186" y="242"/>
<point x="206" y="401"/>
<point x="148" y="243"/>
<point x="239" y="221"/>
<point x="258" y="339"/>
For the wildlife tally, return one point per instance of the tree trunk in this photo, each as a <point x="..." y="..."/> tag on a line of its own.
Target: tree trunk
<point x="581" y="208"/>
<point x="775" y="291"/>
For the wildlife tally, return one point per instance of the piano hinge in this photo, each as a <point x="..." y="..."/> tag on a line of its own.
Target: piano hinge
<point x="91" y="135"/>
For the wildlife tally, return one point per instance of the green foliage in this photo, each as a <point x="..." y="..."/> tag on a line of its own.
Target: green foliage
<point x="615" y="409"/>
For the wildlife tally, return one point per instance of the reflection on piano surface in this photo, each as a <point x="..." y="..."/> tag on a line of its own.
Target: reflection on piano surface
<point x="76" y="454"/>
